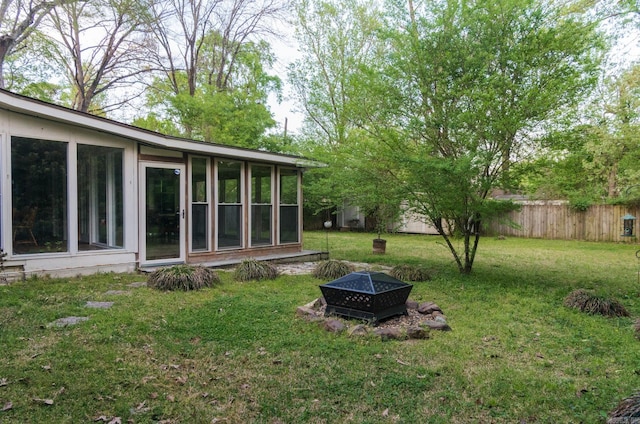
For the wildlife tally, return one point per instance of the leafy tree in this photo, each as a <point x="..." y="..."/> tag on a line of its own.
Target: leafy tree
<point x="338" y="39"/>
<point x="31" y="70"/>
<point x="236" y="114"/>
<point x="467" y="90"/>
<point x="213" y="80"/>
<point x="558" y="170"/>
<point x="598" y="159"/>
<point x="18" y="20"/>
<point x="614" y="146"/>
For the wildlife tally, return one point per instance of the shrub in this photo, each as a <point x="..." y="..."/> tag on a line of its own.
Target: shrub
<point x="183" y="277"/>
<point x="591" y="303"/>
<point x="251" y="269"/>
<point x="410" y="273"/>
<point x="332" y="269"/>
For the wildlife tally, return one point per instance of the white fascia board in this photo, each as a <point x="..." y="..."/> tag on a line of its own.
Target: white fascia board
<point x="33" y="107"/>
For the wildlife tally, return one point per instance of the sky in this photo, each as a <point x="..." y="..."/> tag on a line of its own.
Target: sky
<point x="286" y="51"/>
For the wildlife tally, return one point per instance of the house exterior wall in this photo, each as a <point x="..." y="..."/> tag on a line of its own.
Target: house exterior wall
<point x="73" y="261"/>
<point x="73" y="255"/>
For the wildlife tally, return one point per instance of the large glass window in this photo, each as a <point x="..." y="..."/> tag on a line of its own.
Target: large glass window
<point x="261" y="205"/>
<point x="229" y="204"/>
<point x="39" y="195"/>
<point x="289" y="206"/>
<point x="199" y="205"/>
<point x="100" y="198"/>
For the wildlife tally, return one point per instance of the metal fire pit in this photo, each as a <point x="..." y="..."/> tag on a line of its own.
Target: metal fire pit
<point x="371" y="296"/>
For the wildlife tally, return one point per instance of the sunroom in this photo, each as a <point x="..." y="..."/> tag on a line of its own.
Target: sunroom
<point x="82" y="194"/>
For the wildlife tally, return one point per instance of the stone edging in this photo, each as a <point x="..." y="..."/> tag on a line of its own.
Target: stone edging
<point x="421" y="319"/>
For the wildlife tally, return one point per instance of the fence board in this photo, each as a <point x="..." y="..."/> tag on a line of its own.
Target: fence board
<point x="559" y="221"/>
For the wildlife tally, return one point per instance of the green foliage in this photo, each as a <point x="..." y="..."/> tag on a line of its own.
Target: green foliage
<point x="448" y="96"/>
<point x="636" y="328"/>
<point x="332" y="269"/>
<point x="224" y="104"/>
<point x="591" y="303"/>
<point x="580" y="203"/>
<point x="410" y="273"/>
<point x="251" y="269"/>
<point x="183" y="277"/>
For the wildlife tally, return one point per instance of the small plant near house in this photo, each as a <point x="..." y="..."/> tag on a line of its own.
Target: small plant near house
<point x="410" y="273"/>
<point x="3" y="277"/>
<point x="183" y="277"/>
<point x="332" y="269"/>
<point x="591" y="303"/>
<point x="251" y="269"/>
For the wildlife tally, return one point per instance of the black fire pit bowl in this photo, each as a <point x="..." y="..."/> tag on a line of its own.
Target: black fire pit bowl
<point x="371" y="296"/>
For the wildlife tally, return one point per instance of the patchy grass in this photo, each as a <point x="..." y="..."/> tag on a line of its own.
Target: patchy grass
<point x="236" y="353"/>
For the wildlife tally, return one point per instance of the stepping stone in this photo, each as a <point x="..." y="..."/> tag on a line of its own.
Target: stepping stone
<point x="138" y="284"/>
<point x="98" y="305"/>
<point x="67" y="321"/>
<point x="114" y="292"/>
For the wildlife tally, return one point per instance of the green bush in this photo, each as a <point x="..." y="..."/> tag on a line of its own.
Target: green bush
<point x="591" y="303"/>
<point x="410" y="273"/>
<point x="251" y="269"/>
<point x="183" y="277"/>
<point x="332" y="269"/>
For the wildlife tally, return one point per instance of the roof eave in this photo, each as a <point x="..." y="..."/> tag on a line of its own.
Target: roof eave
<point x="28" y="106"/>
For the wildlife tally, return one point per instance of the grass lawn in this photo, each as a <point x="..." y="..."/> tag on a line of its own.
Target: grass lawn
<point x="236" y="353"/>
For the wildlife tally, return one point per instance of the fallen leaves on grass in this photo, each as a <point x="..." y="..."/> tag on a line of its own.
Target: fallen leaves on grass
<point x="108" y="420"/>
<point x="49" y="402"/>
<point x="7" y="406"/>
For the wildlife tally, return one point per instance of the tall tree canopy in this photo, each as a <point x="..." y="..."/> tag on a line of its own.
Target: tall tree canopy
<point x="102" y="48"/>
<point x="213" y="65"/>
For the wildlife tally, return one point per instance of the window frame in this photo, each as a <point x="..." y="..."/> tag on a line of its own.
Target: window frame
<point x="217" y="204"/>
<point x="270" y="205"/>
<point x="282" y="204"/>
<point x="208" y="193"/>
<point x="129" y="239"/>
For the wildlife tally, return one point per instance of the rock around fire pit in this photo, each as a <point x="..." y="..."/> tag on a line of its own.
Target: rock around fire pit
<point x="421" y="318"/>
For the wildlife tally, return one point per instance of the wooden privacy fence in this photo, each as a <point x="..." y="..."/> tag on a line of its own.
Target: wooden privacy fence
<point x="555" y="220"/>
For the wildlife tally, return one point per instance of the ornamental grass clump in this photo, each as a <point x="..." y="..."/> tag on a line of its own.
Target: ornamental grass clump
<point x="332" y="269"/>
<point x="591" y="303"/>
<point x="251" y="269"/>
<point x="627" y="411"/>
<point x="183" y="277"/>
<point x="410" y="273"/>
